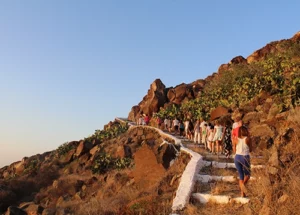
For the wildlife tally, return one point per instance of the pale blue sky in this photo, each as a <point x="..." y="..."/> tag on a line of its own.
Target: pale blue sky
<point x="69" y="67"/>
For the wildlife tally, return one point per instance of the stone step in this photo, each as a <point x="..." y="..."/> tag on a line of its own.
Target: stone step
<point x="222" y="165"/>
<point x="219" y="199"/>
<point x="193" y="145"/>
<point x="210" y="178"/>
<point x="231" y="156"/>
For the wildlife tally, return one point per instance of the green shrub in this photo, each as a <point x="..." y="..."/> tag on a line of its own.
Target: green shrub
<point x="64" y="148"/>
<point x="104" y="162"/>
<point x="122" y="163"/>
<point x="277" y="74"/>
<point x="31" y="166"/>
<point x="109" y="133"/>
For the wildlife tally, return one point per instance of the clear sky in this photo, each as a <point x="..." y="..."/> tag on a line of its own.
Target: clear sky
<point x="69" y="67"/>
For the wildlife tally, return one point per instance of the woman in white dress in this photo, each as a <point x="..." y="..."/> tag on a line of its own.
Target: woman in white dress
<point x="218" y="135"/>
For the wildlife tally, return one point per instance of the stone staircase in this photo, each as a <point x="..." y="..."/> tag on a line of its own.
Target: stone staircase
<point x="217" y="180"/>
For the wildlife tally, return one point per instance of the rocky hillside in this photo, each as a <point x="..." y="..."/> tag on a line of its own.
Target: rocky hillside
<point x="264" y="90"/>
<point x="114" y="170"/>
<point x="270" y="72"/>
<point x="128" y="171"/>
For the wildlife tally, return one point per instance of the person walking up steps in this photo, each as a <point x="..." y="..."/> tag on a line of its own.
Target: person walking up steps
<point x="227" y="139"/>
<point x="235" y="128"/>
<point x="147" y="119"/>
<point x="141" y="120"/>
<point x="186" y="128"/>
<point x="218" y="136"/>
<point x="203" y="131"/>
<point x="181" y="128"/>
<point x="242" y="148"/>
<point x="170" y="125"/>
<point x="166" y="123"/>
<point x="197" y="132"/>
<point x="190" y="131"/>
<point x="176" y="125"/>
<point x="210" y="137"/>
<point x="203" y="135"/>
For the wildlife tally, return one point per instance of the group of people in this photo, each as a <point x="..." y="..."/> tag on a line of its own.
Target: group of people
<point x="216" y="138"/>
<point x="220" y="136"/>
<point x="143" y="119"/>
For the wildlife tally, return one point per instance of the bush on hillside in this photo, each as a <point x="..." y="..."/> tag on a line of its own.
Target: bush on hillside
<point x="278" y="75"/>
<point x="64" y="148"/>
<point x="108" y="133"/>
<point x="104" y="162"/>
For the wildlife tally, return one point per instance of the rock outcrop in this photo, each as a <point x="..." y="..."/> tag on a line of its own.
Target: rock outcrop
<point x="159" y="96"/>
<point x="180" y="93"/>
<point x="155" y="98"/>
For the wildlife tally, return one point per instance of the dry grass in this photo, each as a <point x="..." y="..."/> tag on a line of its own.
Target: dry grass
<point x="201" y="187"/>
<point x="223" y="188"/>
<point x="216" y="209"/>
<point x="132" y="199"/>
<point x="121" y="206"/>
<point x="218" y="171"/>
<point x="218" y="159"/>
<point x="280" y="193"/>
<point x="218" y="188"/>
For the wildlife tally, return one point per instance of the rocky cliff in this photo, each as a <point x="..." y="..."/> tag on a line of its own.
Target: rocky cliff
<point x="159" y="96"/>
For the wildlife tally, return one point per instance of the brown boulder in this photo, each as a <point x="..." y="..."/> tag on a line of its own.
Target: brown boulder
<point x="84" y="146"/>
<point x="197" y="87"/>
<point x="262" y="130"/>
<point x="94" y="150"/>
<point x="296" y="37"/>
<point x="252" y="117"/>
<point x="19" y="167"/>
<point x="261" y="53"/>
<point x="84" y="158"/>
<point x="171" y="94"/>
<point x="263" y="134"/>
<point x="135" y="110"/>
<point x="6" y="174"/>
<point x="147" y="172"/>
<point x="238" y="60"/>
<point x="120" y="152"/>
<point x="155" y="98"/>
<point x="183" y="91"/>
<point x="68" y="157"/>
<point x="222" y="68"/>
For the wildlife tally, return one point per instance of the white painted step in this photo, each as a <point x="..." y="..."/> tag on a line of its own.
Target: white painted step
<point x="219" y="199"/>
<point x="221" y="165"/>
<point x="209" y="178"/>
<point x="231" y="156"/>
